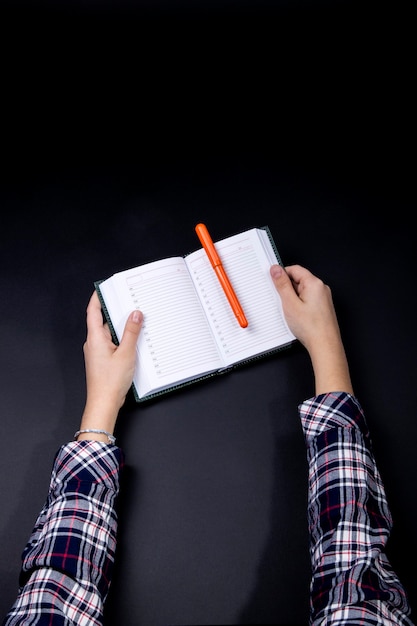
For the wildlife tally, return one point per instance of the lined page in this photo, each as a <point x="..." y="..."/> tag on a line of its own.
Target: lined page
<point x="247" y="259"/>
<point x="176" y="343"/>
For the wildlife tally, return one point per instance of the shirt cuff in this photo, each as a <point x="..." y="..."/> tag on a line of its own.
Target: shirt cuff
<point x="337" y="409"/>
<point x="88" y="462"/>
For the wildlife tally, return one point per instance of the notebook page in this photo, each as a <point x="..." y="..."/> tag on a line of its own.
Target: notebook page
<point x="247" y="265"/>
<point x="176" y="342"/>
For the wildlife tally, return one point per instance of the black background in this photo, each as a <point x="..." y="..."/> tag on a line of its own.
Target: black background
<point x="123" y="125"/>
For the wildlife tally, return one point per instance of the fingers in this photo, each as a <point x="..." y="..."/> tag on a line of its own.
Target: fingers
<point x="94" y="316"/>
<point x="298" y="274"/>
<point x="95" y="322"/>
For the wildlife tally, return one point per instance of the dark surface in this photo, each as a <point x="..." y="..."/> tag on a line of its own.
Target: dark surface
<point x="123" y="128"/>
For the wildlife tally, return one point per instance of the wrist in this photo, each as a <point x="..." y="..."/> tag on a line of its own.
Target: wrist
<point x="331" y="369"/>
<point x="94" y="434"/>
<point x="99" y="415"/>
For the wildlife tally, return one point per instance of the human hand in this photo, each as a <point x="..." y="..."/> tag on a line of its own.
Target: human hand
<point x="308" y="308"/>
<point x="307" y="304"/>
<point x="109" y="368"/>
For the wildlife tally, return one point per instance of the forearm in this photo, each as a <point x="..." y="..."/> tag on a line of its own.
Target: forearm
<point x="349" y="518"/>
<point x="71" y="551"/>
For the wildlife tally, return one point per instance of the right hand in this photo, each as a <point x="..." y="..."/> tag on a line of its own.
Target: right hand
<point x="308" y="308"/>
<point x="308" y="305"/>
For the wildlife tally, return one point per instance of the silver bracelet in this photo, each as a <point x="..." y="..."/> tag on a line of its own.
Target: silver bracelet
<point x="97" y="431"/>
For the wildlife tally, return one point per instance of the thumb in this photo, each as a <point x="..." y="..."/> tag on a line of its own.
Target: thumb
<point x="283" y="285"/>
<point x="131" y="331"/>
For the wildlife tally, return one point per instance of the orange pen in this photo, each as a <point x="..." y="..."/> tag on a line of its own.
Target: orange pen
<point x="216" y="264"/>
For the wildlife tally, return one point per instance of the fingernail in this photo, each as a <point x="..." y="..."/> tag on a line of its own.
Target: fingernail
<point x="276" y="271"/>
<point x="137" y="317"/>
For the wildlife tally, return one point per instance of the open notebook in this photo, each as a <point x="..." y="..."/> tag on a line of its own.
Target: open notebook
<point x="189" y="330"/>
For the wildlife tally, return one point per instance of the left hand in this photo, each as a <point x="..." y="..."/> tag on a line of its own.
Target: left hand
<point x="109" y="368"/>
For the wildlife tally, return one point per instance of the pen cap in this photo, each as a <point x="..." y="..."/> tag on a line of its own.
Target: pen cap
<point x="208" y="244"/>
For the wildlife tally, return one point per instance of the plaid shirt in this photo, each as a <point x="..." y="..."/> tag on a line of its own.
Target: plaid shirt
<point x="67" y="564"/>
<point x="68" y="561"/>
<point x="349" y="520"/>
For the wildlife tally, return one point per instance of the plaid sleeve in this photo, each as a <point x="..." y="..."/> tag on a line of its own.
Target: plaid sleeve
<point x="67" y="563"/>
<point x="349" y="519"/>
